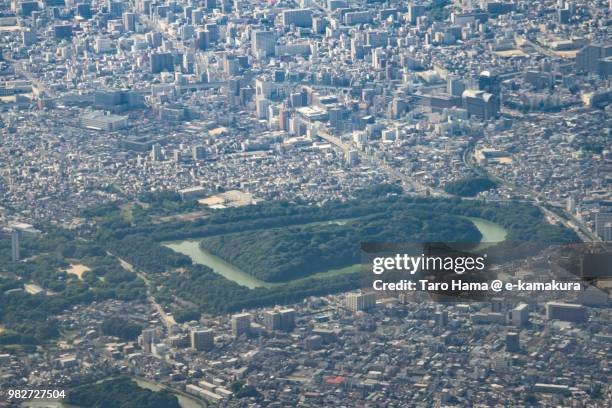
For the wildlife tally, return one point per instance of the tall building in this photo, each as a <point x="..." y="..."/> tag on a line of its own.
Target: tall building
<point x="313" y="342"/>
<point x="176" y="156"/>
<point x="117" y="100"/>
<point x="357" y="17"/>
<point x="318" y="25"/>
<point x="604" y="67"/>
<point x="202" y="40"/>
<point x="592" y="57"/>
<point x="497" y="305"/>
<point x="272" y="320"/>
<point x="357" y="49"/>
<point x="596" y="266"/>
<point x="161" y="61"/>
<point x="202" y="340"/>
<point x="241" y="324"/>
<point x="489" y="82"/>
<point x="129" y="22"/>
<point x="261" y="107"/>
<point x="501" y="362"/>
<point x="336" y="4"/>
<point x="212" y="31"/>
<point x="360" y="301"/>
<point x="297" y="17"/>
<point x="154" y="39"/>
<point x="26" y="8"/>
<point x="62" y="31"/>
<point x="455" y="85"/>
<point x="283" y="319"/>
<point x="198" y="152"/>
<point x="481" y="104"/>
<point x="352" y="157"/>
<point x="564" y="14"/>
<point x="442" y="318"/>
<point x="262" y="43"/>
<point x="287" y="317"/>
<point x="607" y="232"/>
<point x="570" y="205"/>
<point x="156" y="152"/>
<point x="83" y="10"/>
<point x="499" y="7"/>
<point x="15" y="238"/>
<point x="566" y="312"/>
<point x="520" y="315"/>
<point x="197" y="17"/>
<point x="283" y="118"/>
<point x="601" y="220"/>
<point x="28" y="36"/>
<point x="147" y="338"/>
<point x="512" y="342"/>
<point x="230" y="65"/>
<point x="415" y="11"/>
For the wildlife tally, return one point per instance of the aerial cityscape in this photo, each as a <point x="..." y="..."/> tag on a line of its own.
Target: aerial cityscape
<point x="189" y="191"/>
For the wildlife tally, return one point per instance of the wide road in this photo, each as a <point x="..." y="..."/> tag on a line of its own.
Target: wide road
<point x="569" y="220"/>
<point x="17" y="66"/>
<point x="408" y="183"/>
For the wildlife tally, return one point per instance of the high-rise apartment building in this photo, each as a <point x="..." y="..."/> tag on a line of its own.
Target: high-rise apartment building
<point x="15" y="245"/>
<point x="202" y="340"/>
<point x="566" y="312"/>
<point x="360" y="301"/>
<point x="262" y="43"/>
<point x="297" y="17"/>
<point x="241" y="324"/>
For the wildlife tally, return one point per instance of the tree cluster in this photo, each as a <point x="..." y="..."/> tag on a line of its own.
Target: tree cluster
<point x="120" y="393"/>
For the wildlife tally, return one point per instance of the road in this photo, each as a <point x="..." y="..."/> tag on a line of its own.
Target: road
<point x="167" y="319"/>
<point x="569" y="221"/>
<point x="202" y="85"/>
<point x="540" y="49"/>
<point x="408" y="183"/>
<point x="28" y="75"/>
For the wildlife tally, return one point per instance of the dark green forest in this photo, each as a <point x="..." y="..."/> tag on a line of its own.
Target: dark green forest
<point x="122" y="328"/>
<point x="120" y="393"/>
<point x="29" y="319"/>
<point x="252" y="233"/>
<point x="278" y="241"/>
<point x="470" y="187"/>
<point x="284" y="254"/>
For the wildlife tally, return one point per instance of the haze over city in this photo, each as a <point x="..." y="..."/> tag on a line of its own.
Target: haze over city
<point x="194" y="194"/>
